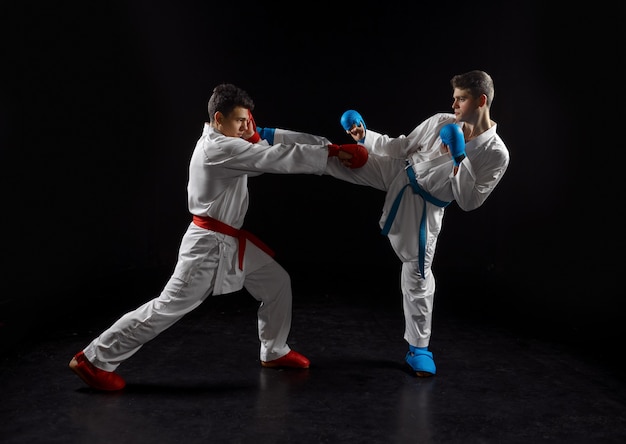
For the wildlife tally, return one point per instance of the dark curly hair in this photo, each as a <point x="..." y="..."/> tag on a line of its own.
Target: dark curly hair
<point x="226" y="97"/>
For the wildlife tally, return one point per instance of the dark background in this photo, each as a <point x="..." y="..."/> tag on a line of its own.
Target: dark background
<point x="102" y="103"/>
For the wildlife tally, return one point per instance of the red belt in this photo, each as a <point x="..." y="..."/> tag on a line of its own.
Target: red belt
<point x="215" y="225"/>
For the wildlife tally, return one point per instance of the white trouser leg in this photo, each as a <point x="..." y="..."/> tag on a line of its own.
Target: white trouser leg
<point x="189" y="285"/>
<point x="271" y="285"/>
<point x="418" y="297"/>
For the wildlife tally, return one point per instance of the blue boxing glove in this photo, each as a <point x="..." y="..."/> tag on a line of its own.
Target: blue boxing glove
<point x="452" y="136"/>
<point x="267" y="134"/>
<point x="352" y="118"/>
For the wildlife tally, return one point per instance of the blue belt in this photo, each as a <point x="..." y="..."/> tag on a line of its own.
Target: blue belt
<point x="427" y="198"/>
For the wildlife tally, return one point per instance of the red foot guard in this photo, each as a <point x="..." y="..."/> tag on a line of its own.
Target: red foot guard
<point x="93" y="376"/>
<point x="292" y="360"/>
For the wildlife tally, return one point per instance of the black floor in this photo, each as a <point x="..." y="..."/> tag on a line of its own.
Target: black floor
<point x="201" y="382"/>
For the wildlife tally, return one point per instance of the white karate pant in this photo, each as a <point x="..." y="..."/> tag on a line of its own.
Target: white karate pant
<point x="418" y="297"/>
<point x="199" y="256"/>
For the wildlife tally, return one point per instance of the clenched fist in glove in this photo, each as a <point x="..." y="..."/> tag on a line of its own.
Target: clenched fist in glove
<point x="251" y="135"/>
<point x="452" y="136"/>
<point x="353" y="123"/>
<point x="351" y="155"/>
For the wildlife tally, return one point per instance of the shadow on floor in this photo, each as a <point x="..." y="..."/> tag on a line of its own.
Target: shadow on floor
<point x="200" y="381"/>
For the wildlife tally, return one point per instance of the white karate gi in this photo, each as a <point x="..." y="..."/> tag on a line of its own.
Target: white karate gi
<point x="479" y="173"/>
<point x="208" y="260"/>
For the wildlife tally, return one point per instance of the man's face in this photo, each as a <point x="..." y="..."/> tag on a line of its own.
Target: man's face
<point x="464" y="105"/>
<point x="235" y="124"/>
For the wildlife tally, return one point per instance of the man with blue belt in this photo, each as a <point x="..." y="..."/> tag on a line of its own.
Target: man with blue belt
<point x="448" y="157"/>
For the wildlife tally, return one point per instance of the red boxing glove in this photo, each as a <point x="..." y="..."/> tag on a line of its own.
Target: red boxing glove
<point x="254" y="138"/>
<point x="358" y="152"/>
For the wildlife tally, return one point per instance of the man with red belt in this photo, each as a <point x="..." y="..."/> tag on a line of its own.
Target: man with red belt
<point x="216" y="256"/>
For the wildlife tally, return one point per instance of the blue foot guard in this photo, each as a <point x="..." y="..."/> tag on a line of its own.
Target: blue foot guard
<point x="421" y="361"/>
